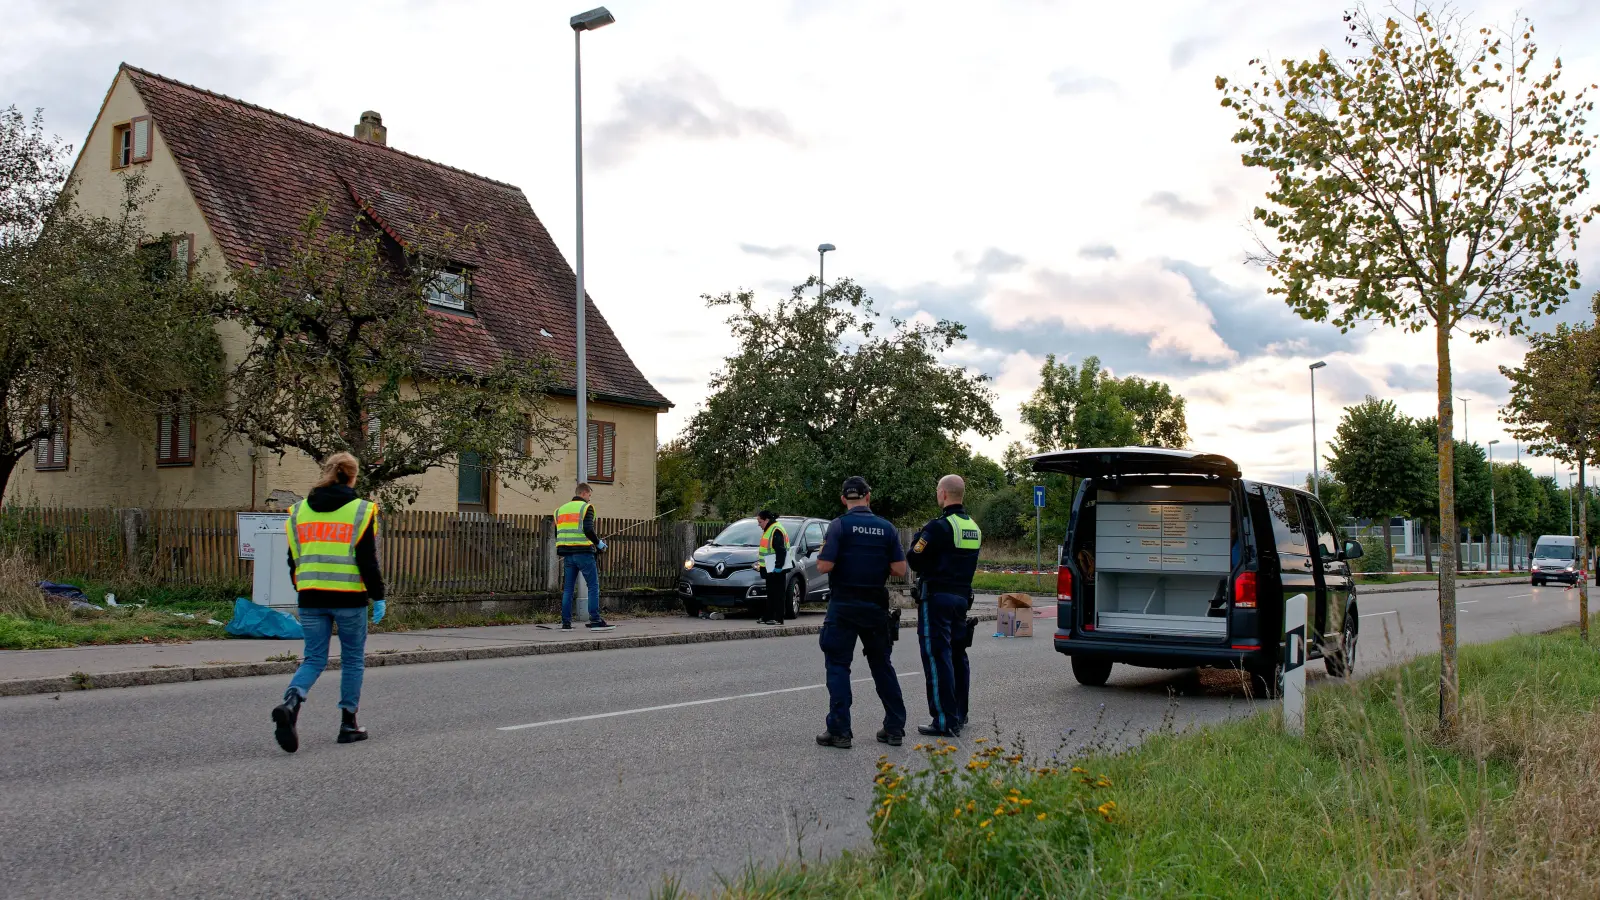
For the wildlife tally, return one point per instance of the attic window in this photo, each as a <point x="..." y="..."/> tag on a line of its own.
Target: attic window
<point x="449" y="290"/>
<point x="130" y="142"/>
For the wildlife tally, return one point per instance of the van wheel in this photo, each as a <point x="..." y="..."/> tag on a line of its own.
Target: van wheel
<point x="1537" y="582"/>
<point x="1340" y="663"/>
<point x="797" y="592"/>
<point x="1266" y="680"/>
<point x="1092" y="672"/>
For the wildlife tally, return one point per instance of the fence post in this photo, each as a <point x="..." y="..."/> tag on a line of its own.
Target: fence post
<point x="547" y="546"/>
<point x="688" y="540"/>
<point x="134" y="536"/>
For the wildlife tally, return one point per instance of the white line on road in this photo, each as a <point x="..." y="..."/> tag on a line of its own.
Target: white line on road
<point x="632" y="712"/>
<point x="1392" y="612"/>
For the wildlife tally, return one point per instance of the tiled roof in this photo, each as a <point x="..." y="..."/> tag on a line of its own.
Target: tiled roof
<point x="257" y="173"/>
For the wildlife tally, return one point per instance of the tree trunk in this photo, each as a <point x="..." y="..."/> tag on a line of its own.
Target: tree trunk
<point x="1449" y="682"/>
<point x="1583" y="553"/>
<point x="1388" y="544"/>
<point x="1427" y="547"/>
<point x="8" y="466"/>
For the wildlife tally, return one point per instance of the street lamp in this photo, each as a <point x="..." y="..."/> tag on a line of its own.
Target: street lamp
<point x="1466" y="431"/>
<point x="1494" y="531"/>
<point x="1316" y="467"/>
<point x="1572" y="483"/>
<point x="599" y="17"/>
<point x="822" y="258"/>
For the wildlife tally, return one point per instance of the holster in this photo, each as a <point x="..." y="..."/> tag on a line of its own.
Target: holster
<point x="894" y="625"/>
<point x="969" y="629"/>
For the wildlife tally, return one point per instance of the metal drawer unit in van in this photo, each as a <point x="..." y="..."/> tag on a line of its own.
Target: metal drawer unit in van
<point x="1159" y="566"/>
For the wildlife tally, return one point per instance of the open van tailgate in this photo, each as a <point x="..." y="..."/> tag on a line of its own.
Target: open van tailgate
<point x="1099" y="462"/>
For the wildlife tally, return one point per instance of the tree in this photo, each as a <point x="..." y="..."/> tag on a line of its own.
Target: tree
<point x="343" y="356"/>
<point x="1086" y="406"/>
<point x="98" y="323"/>
<point x="1555" y="408"/>
<point x="1472" y="488"/>
<point x="819" y="390"/>
<point x="1374" y="455"/>
<point x="678" y="486"/>
<point x="1334" y="495"/>
<point x="1517" y="497"/>
<point x="1429" y="180"/>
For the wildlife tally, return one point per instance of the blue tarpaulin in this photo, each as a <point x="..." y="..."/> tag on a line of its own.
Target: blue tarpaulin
<point x="253" y="620"/>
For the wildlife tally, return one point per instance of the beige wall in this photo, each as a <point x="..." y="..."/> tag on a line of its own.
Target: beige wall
<point x="118" y="468"/>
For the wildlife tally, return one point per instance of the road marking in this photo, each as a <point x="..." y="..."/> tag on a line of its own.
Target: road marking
<point x="1515" y="596"/>
<point x="645" y="709"/>
<point x="1392" y="612"/>
<point x="1466" y="602"/>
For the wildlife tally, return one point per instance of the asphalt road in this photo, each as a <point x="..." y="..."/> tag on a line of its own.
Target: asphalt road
<point x="639" y="763"/>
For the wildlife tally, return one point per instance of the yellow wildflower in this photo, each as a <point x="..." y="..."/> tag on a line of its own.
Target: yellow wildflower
<point x="1040" y="816"/>
<point x="985" y="823"/>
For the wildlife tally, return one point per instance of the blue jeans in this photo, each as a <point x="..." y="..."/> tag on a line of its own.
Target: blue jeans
<point x="571" y="567"/>
<point x="941" y="623"/>
<point x="848" y="620"/>
<point x="318" y="623"/>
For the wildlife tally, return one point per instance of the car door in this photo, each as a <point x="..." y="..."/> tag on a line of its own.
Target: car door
<point x="1333" y="573"/>
<point x="811" y="541"/>
<point x="1291" y="537"/>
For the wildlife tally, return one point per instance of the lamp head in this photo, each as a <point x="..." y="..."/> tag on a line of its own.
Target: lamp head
<point x="824" y="248"/>
<point x="1493" y="442"/>
<point x="599" y="17"/>
<point x="1318" y="365"/>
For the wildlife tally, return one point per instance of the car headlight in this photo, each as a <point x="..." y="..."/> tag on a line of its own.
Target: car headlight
<point x="688" y="564"/>
<point x="1569" y="568"/>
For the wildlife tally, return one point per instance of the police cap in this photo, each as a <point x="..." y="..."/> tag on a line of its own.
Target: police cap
<point x="855" y="488"/>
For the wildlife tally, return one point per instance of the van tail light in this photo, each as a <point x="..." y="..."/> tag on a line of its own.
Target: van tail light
<point x="1244" y="591"/>
<point x="1064" y="583"/>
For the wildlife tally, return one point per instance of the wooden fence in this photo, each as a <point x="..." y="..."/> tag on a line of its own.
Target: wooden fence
<point x="424" y="554"/>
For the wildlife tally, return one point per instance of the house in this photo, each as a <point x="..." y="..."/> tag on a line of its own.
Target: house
<point x="232" y="178"/>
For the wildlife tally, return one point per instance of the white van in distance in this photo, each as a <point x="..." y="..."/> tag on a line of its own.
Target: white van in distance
<point x="1555" y="558"/>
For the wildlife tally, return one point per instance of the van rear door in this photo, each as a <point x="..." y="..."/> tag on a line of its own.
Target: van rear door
<point x="1103" y="462"/>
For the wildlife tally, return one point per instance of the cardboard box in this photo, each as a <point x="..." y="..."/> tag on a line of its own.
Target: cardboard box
<point x="1016" y="616"/>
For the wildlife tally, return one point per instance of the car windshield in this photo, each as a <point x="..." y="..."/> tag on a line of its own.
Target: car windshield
<point x="743" y="533"/>
<point x="1553" y="551"/>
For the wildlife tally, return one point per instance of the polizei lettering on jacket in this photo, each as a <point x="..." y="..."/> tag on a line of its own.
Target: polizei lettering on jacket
<point x="861" y="529"/>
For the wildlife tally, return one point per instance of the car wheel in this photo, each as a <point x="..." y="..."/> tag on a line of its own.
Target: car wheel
<point x="1089" y="671"/>
<point x="1538" y="582"/>
<point x="797" y="592"/>
<point x="1340" y="663"/>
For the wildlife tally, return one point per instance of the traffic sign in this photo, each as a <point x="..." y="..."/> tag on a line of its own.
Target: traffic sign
<point x="1038" y="496"/>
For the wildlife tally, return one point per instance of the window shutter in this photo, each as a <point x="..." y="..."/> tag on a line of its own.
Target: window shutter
<point x="58" y="446"/>
<point x="164" y="436"/>
<point x="183" y="439"/>
<point x="41" y="447"/>
<point x="183" y="253"/>
<point x="610" y="445"/>
<point x="140" y="125"/>
<point x="374" y="431"/>
<point x="594" y="451"/>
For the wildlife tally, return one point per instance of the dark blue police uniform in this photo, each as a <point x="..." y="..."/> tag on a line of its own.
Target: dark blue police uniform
<point x="861" y="547"/>
<point x="944" y="595"/>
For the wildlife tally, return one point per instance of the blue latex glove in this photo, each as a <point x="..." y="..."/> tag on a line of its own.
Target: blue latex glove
<point x="602" y="545"/>
<point x="379" y="607"/>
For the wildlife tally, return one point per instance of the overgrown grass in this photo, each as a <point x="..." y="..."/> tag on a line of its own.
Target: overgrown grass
<point x="1001" y="582"/>
<point x="1371" y="802"/>
<point x="31" y="621"/>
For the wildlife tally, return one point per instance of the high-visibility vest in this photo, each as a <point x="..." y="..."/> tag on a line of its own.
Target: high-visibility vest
<point x="769" y="558"/>
<point x="569" y="525"/>
<point x="968" y="535"/>
<point x="323" y="545"/>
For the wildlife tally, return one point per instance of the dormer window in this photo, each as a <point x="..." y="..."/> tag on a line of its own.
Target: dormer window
<point x="449" y="290"/>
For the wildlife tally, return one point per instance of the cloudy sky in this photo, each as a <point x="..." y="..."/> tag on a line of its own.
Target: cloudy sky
<point x="1058" y="176"/>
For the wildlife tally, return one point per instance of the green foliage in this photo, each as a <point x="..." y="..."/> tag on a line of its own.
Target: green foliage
<point x="1472" y="487"/>
<point x="1377" y="457"/>
<point x="342" y="337"/>
<point x="1334" y="495"/>
<point x="89" y="327"/>
<point x="817" y="391"/>
<point x="678" y="485"/>
<point x="1517" y="499"/>
<point x="1086" y="406"/>
<point x="1000" y="513"/>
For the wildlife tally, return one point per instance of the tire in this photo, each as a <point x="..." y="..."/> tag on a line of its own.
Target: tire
<point x="1537" y="582"/>
<point x="1266" y="680"/>
<point x="1090" y="671"/>
<point x="1340" y="663"/>
<point x="797" y="591"/>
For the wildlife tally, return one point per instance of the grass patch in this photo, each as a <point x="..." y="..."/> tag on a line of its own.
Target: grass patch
<point x="1371" y="802"/>
<point x="1005" y="582"/>
<point x="31" y="621"/>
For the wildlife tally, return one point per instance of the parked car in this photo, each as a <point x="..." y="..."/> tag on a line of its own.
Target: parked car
<point x="1555" y="558"/>
<point x="723" y="573"/>
<point x="1172" y="560"/>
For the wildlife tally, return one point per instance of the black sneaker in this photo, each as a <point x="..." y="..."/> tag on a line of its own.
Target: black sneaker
<point x="349" y="731"/>
<point x="838" y="741"/>
<point x="285" y="715"/>
<point x="566" y="626"/>
<point x="931" y="731"/>
<point x="892" y="738"/>
<point x="600" y="625"/>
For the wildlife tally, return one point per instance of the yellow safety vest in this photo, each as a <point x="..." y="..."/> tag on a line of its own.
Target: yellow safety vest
<point x="769" y="559"/>
<point x="569" y="525"/>
<point x="323" y="545"/>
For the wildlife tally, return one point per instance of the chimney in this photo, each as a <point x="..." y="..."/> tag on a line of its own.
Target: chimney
<point x="370" y="128"/>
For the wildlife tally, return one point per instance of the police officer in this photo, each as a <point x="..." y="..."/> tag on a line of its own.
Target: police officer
<point x="774" y="559"/>
<point x="945" y="555"/>
<point x="859" y="553"/>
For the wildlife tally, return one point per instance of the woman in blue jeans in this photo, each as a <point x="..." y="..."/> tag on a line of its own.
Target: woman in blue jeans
<point x="333" y="557"/>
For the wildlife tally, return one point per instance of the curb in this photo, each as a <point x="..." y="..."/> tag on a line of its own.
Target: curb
<point x="1433" y="586"/>
<point x="18" y="687"/>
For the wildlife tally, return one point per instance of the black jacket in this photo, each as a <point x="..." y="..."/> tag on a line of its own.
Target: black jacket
<point x="328" y="499"/>
<point x="933" y="555"/>
<point x="588" y="532"/>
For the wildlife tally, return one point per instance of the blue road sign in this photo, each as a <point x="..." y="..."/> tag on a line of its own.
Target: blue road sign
<point x="1038" y="496"/>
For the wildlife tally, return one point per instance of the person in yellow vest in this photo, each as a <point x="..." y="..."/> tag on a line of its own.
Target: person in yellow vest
<point x="333" y="559"/>
<point x="776" y="561"/>
<point x="576" y="544"/>
<point x="945" y="556"/>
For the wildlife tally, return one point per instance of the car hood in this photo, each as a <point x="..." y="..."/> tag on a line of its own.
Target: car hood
<point x="733" y="556"/>
<point x="1550" y="561"/>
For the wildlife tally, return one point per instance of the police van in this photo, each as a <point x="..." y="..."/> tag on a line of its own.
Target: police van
<point x="1172" y="559"/>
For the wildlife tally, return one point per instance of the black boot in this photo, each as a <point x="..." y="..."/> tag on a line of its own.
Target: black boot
<point x="349" y="731"/>
<point x="285" y="715"/>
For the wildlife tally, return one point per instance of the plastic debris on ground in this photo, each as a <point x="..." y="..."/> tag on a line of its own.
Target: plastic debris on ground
<point x="253" y="620"/>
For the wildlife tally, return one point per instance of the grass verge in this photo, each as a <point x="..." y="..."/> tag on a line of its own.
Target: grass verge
<point x="31" y="621"/>
<point x="1006" y="582"/>
<point x="1373" y="801"/>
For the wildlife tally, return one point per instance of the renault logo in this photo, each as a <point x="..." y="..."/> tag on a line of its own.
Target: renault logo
<point x="722" y="569"/>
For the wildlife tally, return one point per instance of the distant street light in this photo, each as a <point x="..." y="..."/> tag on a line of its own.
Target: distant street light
<point x="598" y="17"/>
<point x="1494" y="531"/>
<point x="822" y="258"/>
<point x="1572" y="484"/>
<point x="1466" y="430"/>
<point x="1316" y="466"/>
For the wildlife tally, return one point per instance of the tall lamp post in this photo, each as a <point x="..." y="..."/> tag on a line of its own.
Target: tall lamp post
<point x="1494" y="529"/>
<point x="822" y="259"/>
<point x="599" y="17"/>
<point x="1316" y="466"/>
<point x="1466" y="424"/>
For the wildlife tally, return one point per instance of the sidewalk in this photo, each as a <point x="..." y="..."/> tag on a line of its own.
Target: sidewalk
<point x="132" y="665"/>
<point x="1433" y="585"/>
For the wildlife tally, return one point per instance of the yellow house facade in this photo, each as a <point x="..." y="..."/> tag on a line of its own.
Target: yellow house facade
<point x="228" y="178"/>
